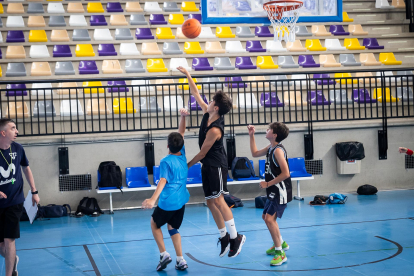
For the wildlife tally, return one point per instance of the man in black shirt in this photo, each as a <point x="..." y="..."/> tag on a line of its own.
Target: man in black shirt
<point x="214" y="170"/>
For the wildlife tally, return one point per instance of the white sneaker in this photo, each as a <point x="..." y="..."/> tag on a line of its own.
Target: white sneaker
<point x="15" y="273"/>
<point x="164" y="261"/>
<point x="181" y="265"/>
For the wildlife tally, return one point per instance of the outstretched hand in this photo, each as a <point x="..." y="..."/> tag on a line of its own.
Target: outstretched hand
<point x="184" y="112"/>
<point x="402" y="150"/>
<point x="183" y="70"/>
<point x="148" y="203"/>
<point x="251" y="129"/>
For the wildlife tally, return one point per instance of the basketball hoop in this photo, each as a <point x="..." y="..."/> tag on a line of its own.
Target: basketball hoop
<point x="283" y="14"/>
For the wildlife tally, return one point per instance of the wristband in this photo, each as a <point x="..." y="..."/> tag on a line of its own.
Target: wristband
<point x="409" y="152"/>
<point x="35" y="193"/>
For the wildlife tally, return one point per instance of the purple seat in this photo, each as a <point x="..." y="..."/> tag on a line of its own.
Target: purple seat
<point x="1" y="55"/>
<point x="270" y="100"/>
<point x="98" y="20"/>
<point x="118" y="86"/>
<point x="244" y="63"/>
<point x="243" y="6"/>
<point x="106" y="50"/>
<point x="88" y="67"/>
<point x="326" y="79"/>
<point x="22" y="92"/>
<point x="143" y="33"/>
<point x="114" y="7"/>
<point x="234" y="82"/>
<point x="317" y="98"/>
<point x="362" y="96"/>
<point x="201" y="64"/>
<point x="157" y="19"/>
<point x="61" y="51"/>
<point x="307" y="61"/>
<point x="254" y="46"/>
<point x="192" y="103"/>
<point x="337" y="30"/>
<point x="371" y="43"/>
<point x="262" y="31"/>
<point x="15" y="36"/>
<point x="195" y="16"/>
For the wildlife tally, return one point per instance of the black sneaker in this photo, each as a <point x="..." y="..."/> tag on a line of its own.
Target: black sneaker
<point x="15" y="273"/>
<point x="236" y="245"/>
<point x="164" y="261"/>
<point x="225" y="244"/>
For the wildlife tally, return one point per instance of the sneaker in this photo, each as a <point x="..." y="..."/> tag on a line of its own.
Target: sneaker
<point x="164" y="261"/>
<point x="285" y="246"/>
<point x="225" y="244"/>
<point x="272" y="251"/>
<point x="181" y="265"/>
<point x="236" y="245"/>
<point x="15" y="273"/>
<point x="279" y="258"/>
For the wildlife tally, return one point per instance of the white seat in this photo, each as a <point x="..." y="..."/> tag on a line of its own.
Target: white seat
<point x="1" y="38"/>
<point x="301" y="77"/>
<point x="152" y="7"/>
<point x="77" y="21"/>
<point x="39" y="51"/>
<point x="142" y="89"/>
<point x="70" y="108"/>
<point x="246" y="100"/>
<point x="234" y="47"/>
<point x="275" y="46"/>
<point x="173" y="103"/>
<point x="175" y="62"/>
<point x="55" y="8"/>
<point x="14" y="21"/>
<point x="206" y="32"/>
<point x="383" y="4"/>
<point x="42" y="89"/>
<point x="333" y="44"/>
<point x="102" y="34"/>
<point x="128" y="49"/>
<point x="388" y="74"/>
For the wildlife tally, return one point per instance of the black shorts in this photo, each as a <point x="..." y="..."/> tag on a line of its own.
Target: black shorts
<point x="214" y="181"/>
<point x="272" y="207"/>
<point x="10" y="222"/>
<point x="173" y="218"/>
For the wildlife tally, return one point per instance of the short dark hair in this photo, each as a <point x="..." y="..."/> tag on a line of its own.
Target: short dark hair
<point x="175" y="142"/>
<point x="280" y="129"/>
<point x="223" y="102"/>
<point x="4" y="122"/>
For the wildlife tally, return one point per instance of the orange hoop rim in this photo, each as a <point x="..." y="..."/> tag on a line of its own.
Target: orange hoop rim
<point x="272" y="6"/>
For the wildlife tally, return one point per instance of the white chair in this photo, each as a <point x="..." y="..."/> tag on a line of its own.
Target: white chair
<point x="55" y="8"/>
<point x="388" y="74"/>
<point x="15" y="21"/>
<point x="1" y="38"/>
<point x="206" y="32"/>
<point x="333" y="44"/>
<point x="383" y="4"/>
<point x="39" y="51"/>
<point x="175" y="62"/>
<point x="128" y="49"/>
<point x="71" y="108"/>
<point x="246" y="100"/>
<point x="142" y="89"/>
<point x="274" y="46"/>
<point x="173" y="103"/>
<point x="102" y="34"/>
<point x="301" y="77"/>
<point x="42" y="89"/>
<point x="77" y="21"/>
<point x="152" y="7"/>
<point x="234" y="47"/>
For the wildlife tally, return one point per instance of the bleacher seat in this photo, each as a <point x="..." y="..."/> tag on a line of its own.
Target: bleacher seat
<point x="1" y="8"/>
<point x="377" y="94"/>
<point x="164" y="33"/>
<point x="98" y="20"/>
<point x="18" y="89"/>
<point x="294" y="99"/>
<point x="71" y="107"/>
<point x="194" y="174"/>
<point x="149" y="104"/>
<point x="362" y="96"/>
<point x="35" y="8"/>
<point x="150" y="48"/>
<point x="97" y="107"/>
<point x="253" y="46"/>
<point x="223" y="63"/>
<point x="41" y="89"/>
<point x="123" y="106"/>
<point x="206" y="32"/>
<point x="144" y="33"/>
<point x="224" y="32"/>
<point x="156" y="174"/>
<point x="371" y="43"/>
<point x="170" y="7"/>
<point x="118" y="20"/>
<point x="323" y="79"/>
<point x="179" y="34"/>
<point x="334" y="45"/>
<point x="128" y="49"/>
<point x="157" y="19"/>
<point x="339" y="96"/>
<point x="307" y="61"/>
<point x="328" y="61"/>
<point x="92" y="84"/>
<point x="353" y="44"/>
<point x="356" y="30"/>
<point x="405" y="93"/>
<point x="176" y="19"/>
<point x="17" y="109"/>
<point x="369" y="60"/>
<point x="300" y="81"/>
<point x="295" y="46"/>
<point x="102" y="34"/>
<point x="314" y="45"/>
<point x="244" y="31"/>
<point x="189" y="7"/>
<point x="152" y="7"/>
<point x="16" y="70"/>
<point x="77" y="21"/>
<point x="287" y="62"/>
<point x="196" y="16"/>
<point x="15" y="21"/>
<point x="13" y="8"/>
<point x="106" y="50"/>
<point x="297" y="167"/>
<point x="212" y="83"/>
<point x="193" y="47"/>
<point x="80" y="35"/>
<point x="75" y="8"/>
<point x="258" y="81"/>
<point x="173" y="103"/>
<point x="337" y="30"/>
<point x="176" y="62"/>
<point x="246" y="100"/>
<point x="171" y="48"/>
<point x="244" y="63"/>
<point x="37" y="36"/>
<point x="266" y="62"/>
<point x="274" y="46"/>
<point x="317" y="98"/>
<point x="234" y="82"/>
<point x="14" y="36"/>
<point x="64" y="68"/>
<point x="84" y="50"/>
<point x="366" y="77"/>
<point x="134" y="66"/>
<point x="346" y="18"/>
<point x="234" y="47"/>
<point x="192" y="103"/>
<point x="36" y="21"/>
<point x="156" y="65"/>
<point x="15" y="52"/>
<point x="61" y="51"/>
<point x="270" y="100"/>
<point x="262" y="31"/>
<point x="320" y="30"/>
<point x="117" y="86"/>
<point x="383" y="4"/>
<point x="111" y="67"/>
<point x="201" y="64"/>
<point x="44" y="108"/>
<point x="95" y="8"/>
<point x="405" y="74"/>
<point x="348" y="60"/>
<point x="136" y="177"/>
<point x="389" y="59"/>
<point x="398" y="4"/>
<point x="58" y="21"/>
<point x="214" y="47"/>
<point x="142" y="86"/>
<point x="137" y="19"/>
<point x="55" y="8"/>
<point x="345" y="78"/>
<point x="123" y="34"/>
<point x="165" y="85"/>
<point x="88" y="67"/>
<point x="302" y="31"/>
<point x="114" y="7"/>
<point x="59" y="36"/>
<point x="184" y="86"/>
<point x="66" y="88"/>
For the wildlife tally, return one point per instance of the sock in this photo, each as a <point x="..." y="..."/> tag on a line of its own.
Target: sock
<point x="232" y="228"/>
<point x="281" y="240"/>
<point x="164" y="254"/>
<point x="278" y="248"/>
<point x="223" y="232"/>
<point x="179" y="258"/>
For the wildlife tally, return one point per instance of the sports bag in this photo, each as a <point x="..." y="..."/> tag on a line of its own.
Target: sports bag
<point x="53" y="211"/>
<point x="260" y="202"/>
<point x="111" y="175"/>
<point x="232" y="201"/>
<point x="319" y="200"/>
<point x="367" y="190"/>
<point x="88" y="206"/>
<point x="241" y="168"/>
<point x="337" y="198"/>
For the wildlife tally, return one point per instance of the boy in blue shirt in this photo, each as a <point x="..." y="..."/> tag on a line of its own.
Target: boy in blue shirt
<point x="173" y="195"/>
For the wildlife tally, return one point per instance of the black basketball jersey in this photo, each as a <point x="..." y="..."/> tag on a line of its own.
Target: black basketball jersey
<point x="282" y="191"/>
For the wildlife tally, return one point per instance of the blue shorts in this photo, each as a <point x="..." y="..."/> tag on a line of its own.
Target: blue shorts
<point x="273" y="207"/>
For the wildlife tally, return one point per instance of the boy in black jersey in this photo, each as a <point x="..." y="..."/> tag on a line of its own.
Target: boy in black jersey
<point x="214" y="170"/>
<point x="277" y="184"/>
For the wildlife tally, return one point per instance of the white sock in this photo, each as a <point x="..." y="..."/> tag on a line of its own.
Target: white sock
<point x="179" y="258"/>
<point x="278" y="248"/>
<point x="281" y="240"/>
<point x="164" y="253"/>
<point x="223" y="232"/>
<point x="232" y="228"/>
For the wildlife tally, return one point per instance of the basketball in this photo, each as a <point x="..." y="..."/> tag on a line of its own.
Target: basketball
<point x="191" y="28"/>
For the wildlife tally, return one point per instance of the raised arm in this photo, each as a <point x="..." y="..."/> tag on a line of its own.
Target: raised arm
<point x="181" y="128"/>
<point x="253" y="148"/>
<point x="193" y="89"/>
<point x="211" y="137"/>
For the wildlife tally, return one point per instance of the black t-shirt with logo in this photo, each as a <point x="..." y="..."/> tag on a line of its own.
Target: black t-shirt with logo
<point x="11" y="180"/>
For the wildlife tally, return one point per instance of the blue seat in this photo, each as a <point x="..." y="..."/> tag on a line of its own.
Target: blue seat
<point x="229" y="179"/>
<point x="156" y="174"/>
<point x="297" y="167"/>
<point x="137" y="177"/>
<point x="194" y="174"/>
<point x="106" y="188"/>
<point x="262" y="168"/>
<point x="251" y="177"/>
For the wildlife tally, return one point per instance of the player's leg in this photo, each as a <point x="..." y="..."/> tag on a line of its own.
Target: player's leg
<point x="272" y="225"/>
<point x="158" y="219"/>
<point x="157" y="233"/>
<point x="173" y="225"/>
<point x="10" y="231"/>
<point x="10" y="255"/>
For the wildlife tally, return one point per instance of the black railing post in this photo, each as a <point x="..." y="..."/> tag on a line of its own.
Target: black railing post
<point x="382" y="134"/>
<point x="308" y="138"/>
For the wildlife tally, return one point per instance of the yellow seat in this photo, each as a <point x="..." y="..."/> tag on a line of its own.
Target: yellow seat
<point x="40" y="69"/>
<point x="295" y="46"/>
<point x="68" y="88"/>
<point x="150" y="48"/>
<point x="133" y="7"/>
<point x="314" y="45"/>
<point x="118" y="20"/>
<point x="266" y="62"/>
<point x="59" y="35"/>
<point x="167" y="86"/>
<point x="15" y="8"/>
<point x="92" y="90"/>
<point x="75" y="7"/>
<point x="294" y="99"/>
<point x="224" y="32"/>
<point x="388" y="97"/>
<point x="164" y="33"/>
<point x="84" y="50"/>
<point x="1" y="72"/>
<point x="353" y="44"/>
<point x="389" y="59"/>
<point x="111" y="67"/>
<point x="156" y="65"/>
<point x="281" y="30"/>
<point x="36" y="21"/>
<point x="258" y="81"/>
<point x="345" y="17"/>
<point x="187" y="87"/>
<point x="1" y="8"/>
<point x="366" y="77"/>
<point x="189" y="7"/>
<point x="214" y="47"/>
<point x="345" y="81"/>
<point x="97" y="107"/>
<point x="320" y="30"/>
<point x="17" y="110"/>
<point x="369" y="60"/>
<point x="123" y="106"/>
<point x="95" y="7"/>
<point x="328" y="61"/>
<point x="193" y="47"/>
<point x="15" y="52"/>
<point x="37" y="36"/>
<point x="176" y="19"/>
<point x="398" y="4"/>
<point x="357" y="30"/>
<point x="180" y="34"/>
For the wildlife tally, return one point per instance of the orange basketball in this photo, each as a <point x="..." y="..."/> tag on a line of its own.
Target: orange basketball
<point x="191" y="28"/>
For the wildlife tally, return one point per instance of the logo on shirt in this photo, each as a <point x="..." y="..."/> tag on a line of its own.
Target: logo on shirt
<point x="6" y="174"/>
<point x="13" y="155"/>
<point x="272" y="195"/>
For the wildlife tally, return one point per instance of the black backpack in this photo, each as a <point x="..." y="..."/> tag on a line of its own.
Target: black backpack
<point x="260" y="202"/>
<point x="111" y="175"/>
<point x="242" y="168"/>
<point x="53" y="211"/>
<point x="232" y="201"/>
<point x="367" y="190"/>
<point x="88" y="206"/>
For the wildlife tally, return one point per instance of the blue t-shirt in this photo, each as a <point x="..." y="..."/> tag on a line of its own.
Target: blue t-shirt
<point x="14" y="192"/>
<point x="175" y="194"/>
